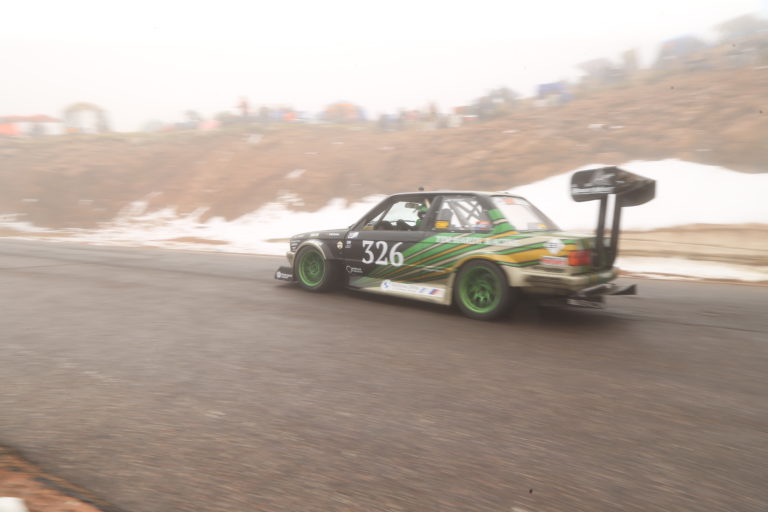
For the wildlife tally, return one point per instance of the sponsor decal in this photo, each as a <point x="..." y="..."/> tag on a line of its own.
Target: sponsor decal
<point x="592" y="190"/>
<point x="441" y="224"/>
<point x="600" y="181"/>
<point x="554" y="245"/>
<point x="339" y="245"/>
<point x="556" y="261"/>
<point x="353" y="234"/>
<point x="414" y="289"/>
<point x="349" y="244"/>
<point x="354" y="270"/>
<point x="335" y="235"/>
<point x="479" y="241"/>
<point x="283" y="275"/>
<point x="314" y="235"/>
<point x="601" y="178"/>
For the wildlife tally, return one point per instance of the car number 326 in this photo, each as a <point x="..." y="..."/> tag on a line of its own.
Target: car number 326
<point x="386" y="255"/>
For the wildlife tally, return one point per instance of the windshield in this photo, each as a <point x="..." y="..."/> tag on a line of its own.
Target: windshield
<point x="523" y="215"/>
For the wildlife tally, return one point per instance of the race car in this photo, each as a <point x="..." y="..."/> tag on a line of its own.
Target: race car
<point x="479" y="250"/>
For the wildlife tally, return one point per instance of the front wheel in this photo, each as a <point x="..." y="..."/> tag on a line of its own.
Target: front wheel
<point x="313" y="271"/>
<point x="482" y="291"/>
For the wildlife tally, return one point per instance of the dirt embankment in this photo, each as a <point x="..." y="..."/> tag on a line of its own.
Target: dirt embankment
<point x="41" y="491"/>
<point x="742" y="245"/>
<point x="714" y="117"/>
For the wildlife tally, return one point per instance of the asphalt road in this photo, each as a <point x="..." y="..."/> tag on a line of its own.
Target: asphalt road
<point x="172" y="381"/>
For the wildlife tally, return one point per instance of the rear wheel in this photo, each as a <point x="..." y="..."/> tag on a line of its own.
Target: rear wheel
<point x="313" y="271"/>
<point x="482" y="291"/>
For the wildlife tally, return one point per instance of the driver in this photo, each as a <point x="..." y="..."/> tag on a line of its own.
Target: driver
<point x="421" y="212"/>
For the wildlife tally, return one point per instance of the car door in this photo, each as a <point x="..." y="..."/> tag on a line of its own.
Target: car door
<point x="377" y="249"/>
<point x="460" y="226"/>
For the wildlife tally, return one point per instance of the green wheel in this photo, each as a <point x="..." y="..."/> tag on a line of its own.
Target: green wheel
<point x="482" y="291"/>
<point x="313" y="271"/>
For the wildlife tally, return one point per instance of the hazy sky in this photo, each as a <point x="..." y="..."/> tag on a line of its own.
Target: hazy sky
<point x="145" y="60"/>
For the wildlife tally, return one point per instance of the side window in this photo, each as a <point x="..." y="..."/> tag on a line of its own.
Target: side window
<point x="403" y="215"/>
<point x="374" y="220"/>
<point x="462" y="214"/>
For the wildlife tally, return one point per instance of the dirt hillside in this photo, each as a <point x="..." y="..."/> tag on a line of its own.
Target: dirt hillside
<point x="715" y="117"/>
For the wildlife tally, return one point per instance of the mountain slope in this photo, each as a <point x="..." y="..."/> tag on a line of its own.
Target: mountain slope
<point x="716" y="117"/>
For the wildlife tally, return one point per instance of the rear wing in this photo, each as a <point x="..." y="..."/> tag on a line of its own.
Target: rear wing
<point x="598" y="184"/>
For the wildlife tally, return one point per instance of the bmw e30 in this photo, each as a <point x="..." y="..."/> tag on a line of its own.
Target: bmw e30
<point x="479" y="250"/>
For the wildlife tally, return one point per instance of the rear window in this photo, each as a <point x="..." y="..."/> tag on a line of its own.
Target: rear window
<point x="522" y="215"/>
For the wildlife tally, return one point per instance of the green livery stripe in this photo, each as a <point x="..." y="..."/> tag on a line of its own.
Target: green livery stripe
<point x="519" y="264"/>
<point x="522" y="248"/>
<point x="445" y="262"/>
<point x="437" y="256"/>
<point x="407" y="268"/>
<point x="437" y="252"/>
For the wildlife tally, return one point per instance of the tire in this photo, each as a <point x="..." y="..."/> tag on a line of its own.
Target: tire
<point x="313" y="272"/>
<point x="481" y="290"/>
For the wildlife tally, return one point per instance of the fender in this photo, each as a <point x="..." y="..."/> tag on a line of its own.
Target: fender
<point x="514" y="274"/>
<point x="327" y="253"/>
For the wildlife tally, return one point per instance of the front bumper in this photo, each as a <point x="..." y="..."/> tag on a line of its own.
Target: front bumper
<point x="284" y="273"/>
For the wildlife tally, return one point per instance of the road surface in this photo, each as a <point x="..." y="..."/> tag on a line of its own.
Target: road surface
<point x="175" y="381"/>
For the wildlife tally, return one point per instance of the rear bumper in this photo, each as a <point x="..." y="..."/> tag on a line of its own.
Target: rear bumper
<point x="565" y="284"/>
<point x="581" y="290"/>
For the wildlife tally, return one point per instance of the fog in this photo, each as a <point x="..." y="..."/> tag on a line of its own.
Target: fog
<point x="146" y="61"/>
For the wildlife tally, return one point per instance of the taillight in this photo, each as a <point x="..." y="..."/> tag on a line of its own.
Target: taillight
<point x="579" y="258"/>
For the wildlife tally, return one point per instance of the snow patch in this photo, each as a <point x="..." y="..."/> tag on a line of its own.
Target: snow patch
<point x="8" y="504"/>
<point x="11" y="221"/>
<point x="296" y="173"/>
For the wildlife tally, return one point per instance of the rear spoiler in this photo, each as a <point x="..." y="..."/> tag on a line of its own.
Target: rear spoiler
<point x="597" y="184"/>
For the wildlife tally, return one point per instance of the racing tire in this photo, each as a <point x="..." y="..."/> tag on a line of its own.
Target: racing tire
<point x="481" y="291"/>
<point x="313" y="271"/>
